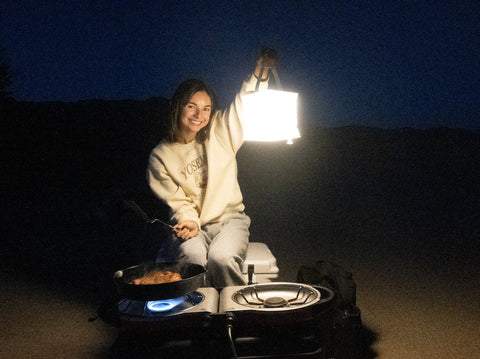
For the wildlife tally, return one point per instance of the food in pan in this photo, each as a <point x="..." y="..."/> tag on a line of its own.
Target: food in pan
<point x="158" y="277"/>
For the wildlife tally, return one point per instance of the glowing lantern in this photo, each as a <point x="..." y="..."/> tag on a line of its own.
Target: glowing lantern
<point x="270" y="115"/>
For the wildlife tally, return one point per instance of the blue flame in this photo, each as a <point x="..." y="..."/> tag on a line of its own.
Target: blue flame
<point x="164" y="305"/>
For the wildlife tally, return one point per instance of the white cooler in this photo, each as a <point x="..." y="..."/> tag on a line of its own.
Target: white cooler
<point x="260" y="266"/>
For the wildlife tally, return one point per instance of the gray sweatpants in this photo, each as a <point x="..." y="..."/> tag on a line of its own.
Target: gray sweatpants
<point x="221" y="248"/>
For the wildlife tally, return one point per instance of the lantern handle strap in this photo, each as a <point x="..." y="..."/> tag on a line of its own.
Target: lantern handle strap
<point x="277" y="79"/>
<point x="273" y="70"/>
<point x="259" y="78"/>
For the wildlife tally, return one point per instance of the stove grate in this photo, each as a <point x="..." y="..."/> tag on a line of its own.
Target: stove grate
<point x="252" y="298"/>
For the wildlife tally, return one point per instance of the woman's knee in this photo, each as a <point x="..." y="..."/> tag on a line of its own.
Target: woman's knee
<point x="194" y="251"/>
<point x="223" y="259"/>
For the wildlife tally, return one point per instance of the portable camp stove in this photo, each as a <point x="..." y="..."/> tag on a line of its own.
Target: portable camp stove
<point x="254" y="321"/>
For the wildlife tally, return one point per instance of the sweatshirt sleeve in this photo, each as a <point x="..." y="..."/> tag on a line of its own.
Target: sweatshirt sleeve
<point x="164" y="187"/>
<point x="229" y="123"/>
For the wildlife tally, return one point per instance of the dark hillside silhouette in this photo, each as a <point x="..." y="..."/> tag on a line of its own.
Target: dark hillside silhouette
<point x="69" y="166"/>
<point x="5" y="79"/>
<point x="338" y="183"/>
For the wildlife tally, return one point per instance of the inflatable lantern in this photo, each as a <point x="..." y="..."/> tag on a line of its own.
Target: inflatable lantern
<point x="270" y="115"/>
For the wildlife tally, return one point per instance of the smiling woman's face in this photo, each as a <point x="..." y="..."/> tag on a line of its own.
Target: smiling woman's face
<point x="195" y="115"/>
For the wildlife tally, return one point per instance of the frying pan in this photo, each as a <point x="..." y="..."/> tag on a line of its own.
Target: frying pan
<point x="192" y="278"/>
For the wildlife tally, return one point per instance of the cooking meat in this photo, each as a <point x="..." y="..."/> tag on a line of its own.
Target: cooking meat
<point x="158" y="277"/>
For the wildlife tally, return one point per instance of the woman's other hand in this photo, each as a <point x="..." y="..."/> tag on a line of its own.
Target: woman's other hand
<point x="186" y="230"/>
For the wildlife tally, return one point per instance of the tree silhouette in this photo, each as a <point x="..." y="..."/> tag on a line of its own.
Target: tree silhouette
<point x="5" y="79"/>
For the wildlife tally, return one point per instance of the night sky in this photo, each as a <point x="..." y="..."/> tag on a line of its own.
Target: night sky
<point x="375" y="63"/>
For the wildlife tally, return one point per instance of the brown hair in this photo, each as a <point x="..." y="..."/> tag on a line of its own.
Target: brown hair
<point x="181" y="97"/>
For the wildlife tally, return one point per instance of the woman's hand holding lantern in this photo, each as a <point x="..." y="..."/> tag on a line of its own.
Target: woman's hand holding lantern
<point x="266" y="61"/>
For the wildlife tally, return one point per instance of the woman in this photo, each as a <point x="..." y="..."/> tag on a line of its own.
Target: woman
<point x="194" y="171"/>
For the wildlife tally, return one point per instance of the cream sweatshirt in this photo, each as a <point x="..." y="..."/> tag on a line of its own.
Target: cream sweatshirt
<point x="199" y="181"/>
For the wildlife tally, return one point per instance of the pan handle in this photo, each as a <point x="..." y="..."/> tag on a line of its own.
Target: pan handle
<point x="136" y="208"/>
<point x="140" y="212"/>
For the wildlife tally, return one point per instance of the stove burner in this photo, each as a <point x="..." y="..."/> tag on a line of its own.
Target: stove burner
<point x="275" y="302"/>
<point x="164" y="305"/>
<point x="280" y="296"/>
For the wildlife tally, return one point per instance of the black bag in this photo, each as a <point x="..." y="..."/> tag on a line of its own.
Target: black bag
<point x="334" y="277"/>
<point x="343" y="343"/>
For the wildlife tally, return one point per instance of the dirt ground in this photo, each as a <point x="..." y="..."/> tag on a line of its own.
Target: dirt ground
<point x="411" y="308"/>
